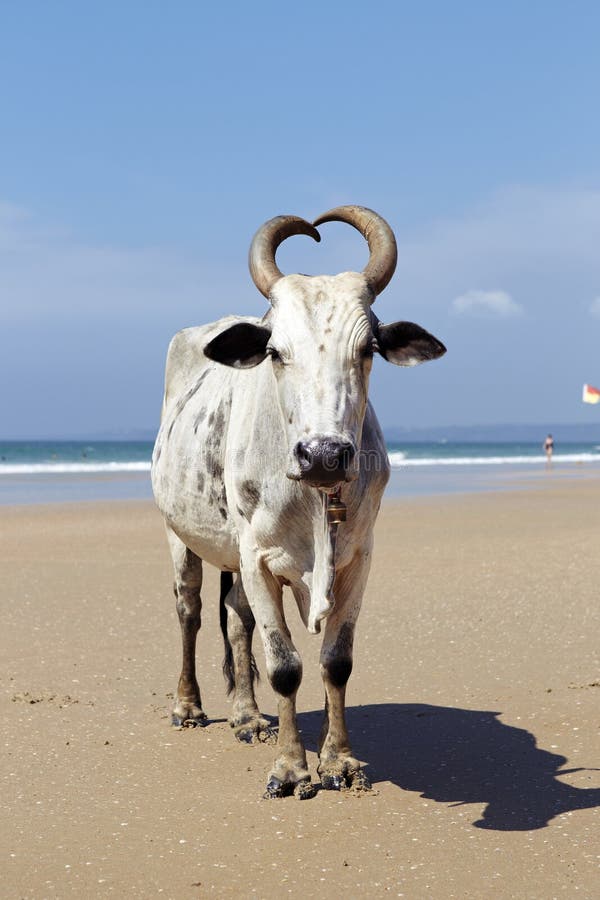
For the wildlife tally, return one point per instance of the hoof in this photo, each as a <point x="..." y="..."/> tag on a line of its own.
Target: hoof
<point x="302" y="790"/>
<point x="277" y="789"/>
<point x="348" y="779"/>
<point x="199" y="721"/>
<point x="305" y="790"/>
<point x="332" y="782"/>
<point x="251" y="733"/>
<point x="359" y="781"/>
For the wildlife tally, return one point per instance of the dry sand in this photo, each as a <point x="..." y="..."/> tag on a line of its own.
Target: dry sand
<point x="474" y="700"/>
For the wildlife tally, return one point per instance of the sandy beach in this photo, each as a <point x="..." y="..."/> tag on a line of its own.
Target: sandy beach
<point x="474" y="700"/>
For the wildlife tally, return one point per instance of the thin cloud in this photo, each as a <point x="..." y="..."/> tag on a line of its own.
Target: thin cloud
<point x="541" y="243"/>
<point x="495" y="303"/>
<point x="47" y="272"/>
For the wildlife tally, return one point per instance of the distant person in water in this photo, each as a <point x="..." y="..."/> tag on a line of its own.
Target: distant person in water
<point x="548" y="449"/>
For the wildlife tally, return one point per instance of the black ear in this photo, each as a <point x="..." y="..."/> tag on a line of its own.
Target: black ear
<point x="242" y="345"/>
<point x="407" y="344"/>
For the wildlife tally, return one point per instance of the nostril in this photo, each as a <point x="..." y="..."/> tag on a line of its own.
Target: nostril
<point x="347" y="453"/>
<point x="303" y="454"/>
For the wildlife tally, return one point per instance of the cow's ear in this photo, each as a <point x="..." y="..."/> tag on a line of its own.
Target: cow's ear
<point x="242" y="345"/>
<point x="407" y="344"/>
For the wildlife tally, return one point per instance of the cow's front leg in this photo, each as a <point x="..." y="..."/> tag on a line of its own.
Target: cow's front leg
<point x="290" y="770"/>
<point x="337" y="766"/>
<point x="289" y="774"/>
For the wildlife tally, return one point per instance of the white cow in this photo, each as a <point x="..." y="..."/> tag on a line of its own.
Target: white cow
<point x="262" y="420"/>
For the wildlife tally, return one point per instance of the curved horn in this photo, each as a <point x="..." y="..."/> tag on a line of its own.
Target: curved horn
<point x="379" y="236"/>
<point x="265" y="242"/>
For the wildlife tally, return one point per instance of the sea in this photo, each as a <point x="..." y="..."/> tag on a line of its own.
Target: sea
<point x="74" y="471"/>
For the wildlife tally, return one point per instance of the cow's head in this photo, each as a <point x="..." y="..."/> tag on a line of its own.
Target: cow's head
<point x="320" y="336"/>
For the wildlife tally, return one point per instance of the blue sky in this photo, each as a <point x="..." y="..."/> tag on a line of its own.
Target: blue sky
<point x="142" y="144"/>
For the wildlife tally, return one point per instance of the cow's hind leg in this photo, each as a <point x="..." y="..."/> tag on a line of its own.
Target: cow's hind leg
<point x="239" y="667"/>
<point x="187" y="709"/>
<point x="337" y="766"/>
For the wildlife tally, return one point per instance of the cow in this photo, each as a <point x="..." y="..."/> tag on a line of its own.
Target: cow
<point x="267" y="437"/>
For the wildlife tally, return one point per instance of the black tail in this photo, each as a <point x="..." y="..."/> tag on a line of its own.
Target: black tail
<point x="226" y="585"/>
<point x="228" y="670"/>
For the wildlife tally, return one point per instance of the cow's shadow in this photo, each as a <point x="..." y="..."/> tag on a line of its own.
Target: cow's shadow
<point x="461" y="756"/>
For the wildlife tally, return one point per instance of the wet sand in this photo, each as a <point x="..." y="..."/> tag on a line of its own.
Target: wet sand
<point x="475" y="701"/>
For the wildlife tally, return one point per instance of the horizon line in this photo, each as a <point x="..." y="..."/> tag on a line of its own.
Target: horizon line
<point x="146" y="435"/>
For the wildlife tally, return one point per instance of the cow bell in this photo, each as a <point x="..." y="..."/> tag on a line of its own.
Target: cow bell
<point x="336" y="511"/>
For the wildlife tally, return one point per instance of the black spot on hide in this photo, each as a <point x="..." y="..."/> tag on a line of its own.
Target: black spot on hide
<point x="190" y="393"/>
<point x="218" y="422"/>
<point x="181" y="403"/>
<point x="216" y="427"/>
<point x="339" y="395"/>
<point x="338" y="664"/>
<point x="339" y="671"/>
<point x="250" y="496"/>
<point x="213" y="465"/>
<point x="199" y="419"/>
<point x="218" y="497"/>
<point x="287" y="673"/>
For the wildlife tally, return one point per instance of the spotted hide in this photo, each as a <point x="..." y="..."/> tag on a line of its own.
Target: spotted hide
<point x="263" y="420"/>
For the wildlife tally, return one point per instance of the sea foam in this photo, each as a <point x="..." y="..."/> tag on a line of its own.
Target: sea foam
<point x="78" y="468"/>
<point x="398" y="460"/>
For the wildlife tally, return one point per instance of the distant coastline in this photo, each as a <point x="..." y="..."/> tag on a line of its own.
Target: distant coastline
<point x="578" y="432"/>
<point x="565" y="432"/>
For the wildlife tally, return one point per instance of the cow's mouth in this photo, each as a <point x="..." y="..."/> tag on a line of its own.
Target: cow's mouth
<point x="327" y="486"/>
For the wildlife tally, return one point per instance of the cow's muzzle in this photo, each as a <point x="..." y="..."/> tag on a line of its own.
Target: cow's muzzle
<point x="324" y="461"/>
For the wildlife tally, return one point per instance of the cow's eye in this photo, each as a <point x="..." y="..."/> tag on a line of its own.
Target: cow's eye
<point x="274" y="354"/>
<point x="367" y="351"/>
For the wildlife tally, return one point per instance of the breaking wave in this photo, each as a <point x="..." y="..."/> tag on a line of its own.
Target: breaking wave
<point x="398" y="460"/>
<point x="78" y="468"/>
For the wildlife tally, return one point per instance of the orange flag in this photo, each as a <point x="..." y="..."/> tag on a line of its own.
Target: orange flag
<point x="590" y="394"/>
